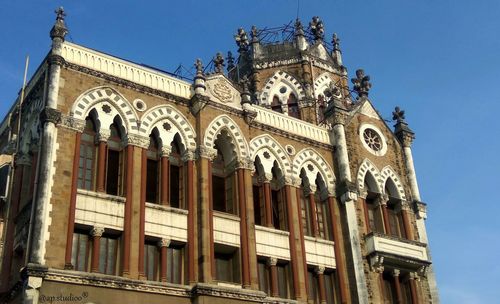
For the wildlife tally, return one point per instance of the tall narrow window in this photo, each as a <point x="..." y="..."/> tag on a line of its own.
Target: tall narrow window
<point x="395" y="220"/>
<point x="389" y="288"/>
<point x="152" y="174"/>
<point x="293" y="106"/>
<point x="313" y="286"/>
<point x="227" y="264"/>
<point x="285" y="287"/>
<point x="151" y="261"/>
<point x="331" y="288"/>
<point x="80" y="251"/>
<point x="108" y="255"/>
<point x="376" y="223"/>
<point x="176" y="177"/>
<point x="87" y="156"/>
<point x="264" y="275"/>
<point x="175" y="264"/>
<point x="306" y="213"/>
<point x="276" y="105"/>
<point x="223" y="186"/>
<point x="257" y="204"/>
<point x="114" y="162"/>
<point x="324" y="220"/>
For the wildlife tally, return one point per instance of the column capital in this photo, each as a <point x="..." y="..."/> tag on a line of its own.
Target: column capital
<point x="50" y="115"/>
<point x="22" y="159"/>
<point x="265" y="178"/>
<point x="363" y="193"/>
<point x="288" y="180"/>
<point x="319" y="270"/>
<point x="244" y="163"/>
<point x="164" y="242"/>
<point x="136" y="140"/>
<point x="382" y="199"/>
<point x="103" y="135"/>
<point x="272" y="261"/>
<point x="97" y="231"/>
<point x="404" y="205"/>
<point x="420" y="209"/>
<point x="188" y="155"/>
<point x="396" y="273"/>
<point x="413" y="276"/>
<point x="377" y="263"/>
<point x="207" y="152"/>
<point x="166" y="150"/>
<point x="70" y="122"/>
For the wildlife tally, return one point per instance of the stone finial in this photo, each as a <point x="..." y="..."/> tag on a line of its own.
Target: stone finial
<point x="230" y="61"/>
<point x="241" y="40"/>
<point x="361" y="83"/>
<point x="219" y="63"/>
<point x="317" y="28"/>
<point x="59" y="29"/>
<point x="245" y="94"/>
<point x="335" y="42"/>
<point x="199" y="67"/>
<point x="299" y="29"/>
<point x="401" y="129"/>
<point x="199" y="78"/>
<point x="254" y="34"/>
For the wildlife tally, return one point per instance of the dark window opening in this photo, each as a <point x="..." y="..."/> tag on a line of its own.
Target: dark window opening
<point x="108" y="255"/>
<point x="80" y="251"/>
<point x="227" y="266"/>
<point x="175" y="264"/>
<point x="264" y="276"/>
<point x="293" y="106"/>
<point x="151" y="261"/>
<point x="113" y="172"/>
<point x="175" y="186"/>
<point x="257" y="199"/>
<point x="86" y="161"/>
<point x="285" y="287"/>
<point x="276" y="105"/>
<point x="219" y="193"/>
<point x="152" y="181"/>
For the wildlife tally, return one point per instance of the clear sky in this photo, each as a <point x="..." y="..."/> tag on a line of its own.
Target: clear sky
<point x="438" y="60"/>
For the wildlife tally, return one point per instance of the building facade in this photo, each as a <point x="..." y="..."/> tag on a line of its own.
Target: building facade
<point x="273" y="182"/>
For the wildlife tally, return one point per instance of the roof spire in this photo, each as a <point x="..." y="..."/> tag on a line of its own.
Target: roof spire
<point x="361" y="83"/>
<point x="317" y="28"/>
<point x="219" y="63"/>
<point x="401" y="129"/>
<point x="336" y="42"/>
<point x="59" y="29"/>
<point x="241" y="40"/>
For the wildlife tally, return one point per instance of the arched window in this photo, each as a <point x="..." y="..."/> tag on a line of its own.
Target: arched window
<point x="114" y="161"/>
<point x="393" y="211"/>
<point x="276" y="105"/>
<point x="176" y="178"/>
<point x="315" y="208"/>
<point x="153" y="170"/>
<point x="278" y="205"/>
<point x="373" y="214"/>
<point x="293" y="106"/>
<point x="86" y="164"/>
<point x="223" y="176"/>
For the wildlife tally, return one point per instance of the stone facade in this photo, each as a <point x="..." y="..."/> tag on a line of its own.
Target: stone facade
<point x="285" y="128"/>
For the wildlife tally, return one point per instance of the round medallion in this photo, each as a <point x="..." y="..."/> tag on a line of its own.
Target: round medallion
<point x="372" y="139"/>
<point x="140" y="105"/>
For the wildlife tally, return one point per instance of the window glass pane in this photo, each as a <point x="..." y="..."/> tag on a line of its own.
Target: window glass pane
<point x="263" y="272"/>
<point x="256" y="204"/>
<point x="112" y="174"/>
<point x="152" y="181"/>
<point x="218" y="193"/>
<point x="175" y="186"/>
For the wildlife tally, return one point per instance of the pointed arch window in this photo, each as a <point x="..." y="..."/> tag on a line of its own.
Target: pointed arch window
<point x="86" y="164"/>
<point x="153" y="171"/>
<point x="176" y="178"/>
<point x="393" y="211"/>
<point x="224" y="176"/>
<point x="293" y="106"/>
<point x="114" y="162"/>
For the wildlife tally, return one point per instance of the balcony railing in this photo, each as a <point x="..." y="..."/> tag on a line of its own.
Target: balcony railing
<point x="166" y="222"/>
<point x="319" y="252"/>
<point x="226" y="229"/>
<point x="272" y="242"/>
<point x="384" y="244"/>
<point x="98" y="209"/>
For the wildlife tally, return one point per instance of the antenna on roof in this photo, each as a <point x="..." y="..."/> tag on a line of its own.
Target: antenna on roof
<point x="298" y="9"/>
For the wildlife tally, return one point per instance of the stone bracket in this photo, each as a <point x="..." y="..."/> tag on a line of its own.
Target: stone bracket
<point x="197" y="103"/>
<point x="50" y="115"/>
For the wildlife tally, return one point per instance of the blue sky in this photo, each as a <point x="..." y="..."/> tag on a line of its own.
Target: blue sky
<point x="438" y="60"/>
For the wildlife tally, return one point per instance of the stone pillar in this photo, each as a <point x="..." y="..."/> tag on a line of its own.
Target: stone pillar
<point x="142" y="211"/>
<point x="72" y="204"/>
<point x="271" y="263"/>
<point x="188" y="159"/>
<point x="399" y="295"/>
<point x="298" y="191"/>
<point x="413" y="278"/>
<point x="340" y="272"/>
<point x="348" y="197"/>
<point x="266" y="184"/>
<point x="313" y="215"/>
<point x="96" y="234"/>
<point x="127" y="221"/>
<point x="163" y="244"/>
<point x="406" y="220"/>
<point x="321" y="283"/>
<point x="101" y="161"/>
<point x="382" y="206"/>
<point x="31" y="292"/>
<point x="165" y="176"/>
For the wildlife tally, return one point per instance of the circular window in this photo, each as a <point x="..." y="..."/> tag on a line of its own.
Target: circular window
<point x="139" y="105"/>
<point x="290" y="150"/>
<point x="372" y="139"/>
<point x="283" y="90"/>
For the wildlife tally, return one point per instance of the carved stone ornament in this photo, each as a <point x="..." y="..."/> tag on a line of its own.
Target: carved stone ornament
<point x="241" y="39"/>
<point x="361" y="83"/>
<point x="219" y="63"/>
<point x="50" y="115"/>
<point x="317" y="28"/>
<point x="272" y="261"/>
<point x="166" y="150"/>
<point x="106" y="108"/>
<point x="97" y="231"/>
<point x="221" y="90"/>
<point x="137" y="140"/>
<point x="164" y="242"/>
<point x="73" y="123"/>
<point x="103" y="135"/>
<point x="377" y="263"/>
<point x="319" y="270"/>
<point x="59" y="29"/>
<point x="188" y="156"/>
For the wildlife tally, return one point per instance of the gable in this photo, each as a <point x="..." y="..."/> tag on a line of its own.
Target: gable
<point x="221" y="90"/>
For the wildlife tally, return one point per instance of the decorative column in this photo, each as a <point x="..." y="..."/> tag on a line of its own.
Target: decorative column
<point x="406" y="220"/>
<point x="362" y="197"/>
<point x="163" y="244"/>
<point x="96" y="234"/>
<point x="321" y="283"/>
<point x="127" y="220"/>
<point x="336" y="114"/>
<point x="382" y="207"/>
<point x="142" y="212"/>
<point x="314" y="214"/>
<point x="298" y="191"/>
<point x="413" y="278"/>
<point x="340" y="271"/>
<point x="49" y="117"/>
<point x="165" y="176"/>
<point x="395" y="275"/>
<point x="265" y="180"/>
<point x="244" y="227"/>
<point x="188" y="158"/>
<point x="271" y="263"/>
<point x="406" y="136"/>
<point x="102" y="139"/>
<point x="72" y="203"/>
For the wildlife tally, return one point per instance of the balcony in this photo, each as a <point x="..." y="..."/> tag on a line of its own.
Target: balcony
<point x="98" y="209"/>
<point x="319" y="252"/>
<point x="272" y="242"/>
<point x="226" y="229"/>
<point x="166" y="222"/>
<point x="387" y="250"/>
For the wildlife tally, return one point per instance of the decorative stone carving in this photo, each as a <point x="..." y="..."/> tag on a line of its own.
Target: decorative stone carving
<point x="361" y="83"/>
<point x="188" y="155"/>
<point x="198" y="102"/>
<point x="317" y="28"/>
<point x="207" y="152"/>
<point x="22" y="159"/>
<point x="245" y="94"/>
<point x="420" y="209"/>
<point x="166" y="150"/>
<point x="50" y="115"/>
<point x="396" y="273"/>
<point x="241" y="39"/>
<point x="272" y="261"/>
<point x="164" y="242"/>
<point x="377" y="263"/>
<point x="73" y="123"/>
<point x="401" y="129"/>
<point x="59" y="29"/>
<point x="254" y="34"/>
<point x="137" y="140"/>
<point x="103" y="135"/>
<point x="97" y="231"/>
<point x="219" y="63"/>
<point x="319" y="270"/>
<point x="335" y="43"/>
<point x="221" y="90"/>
